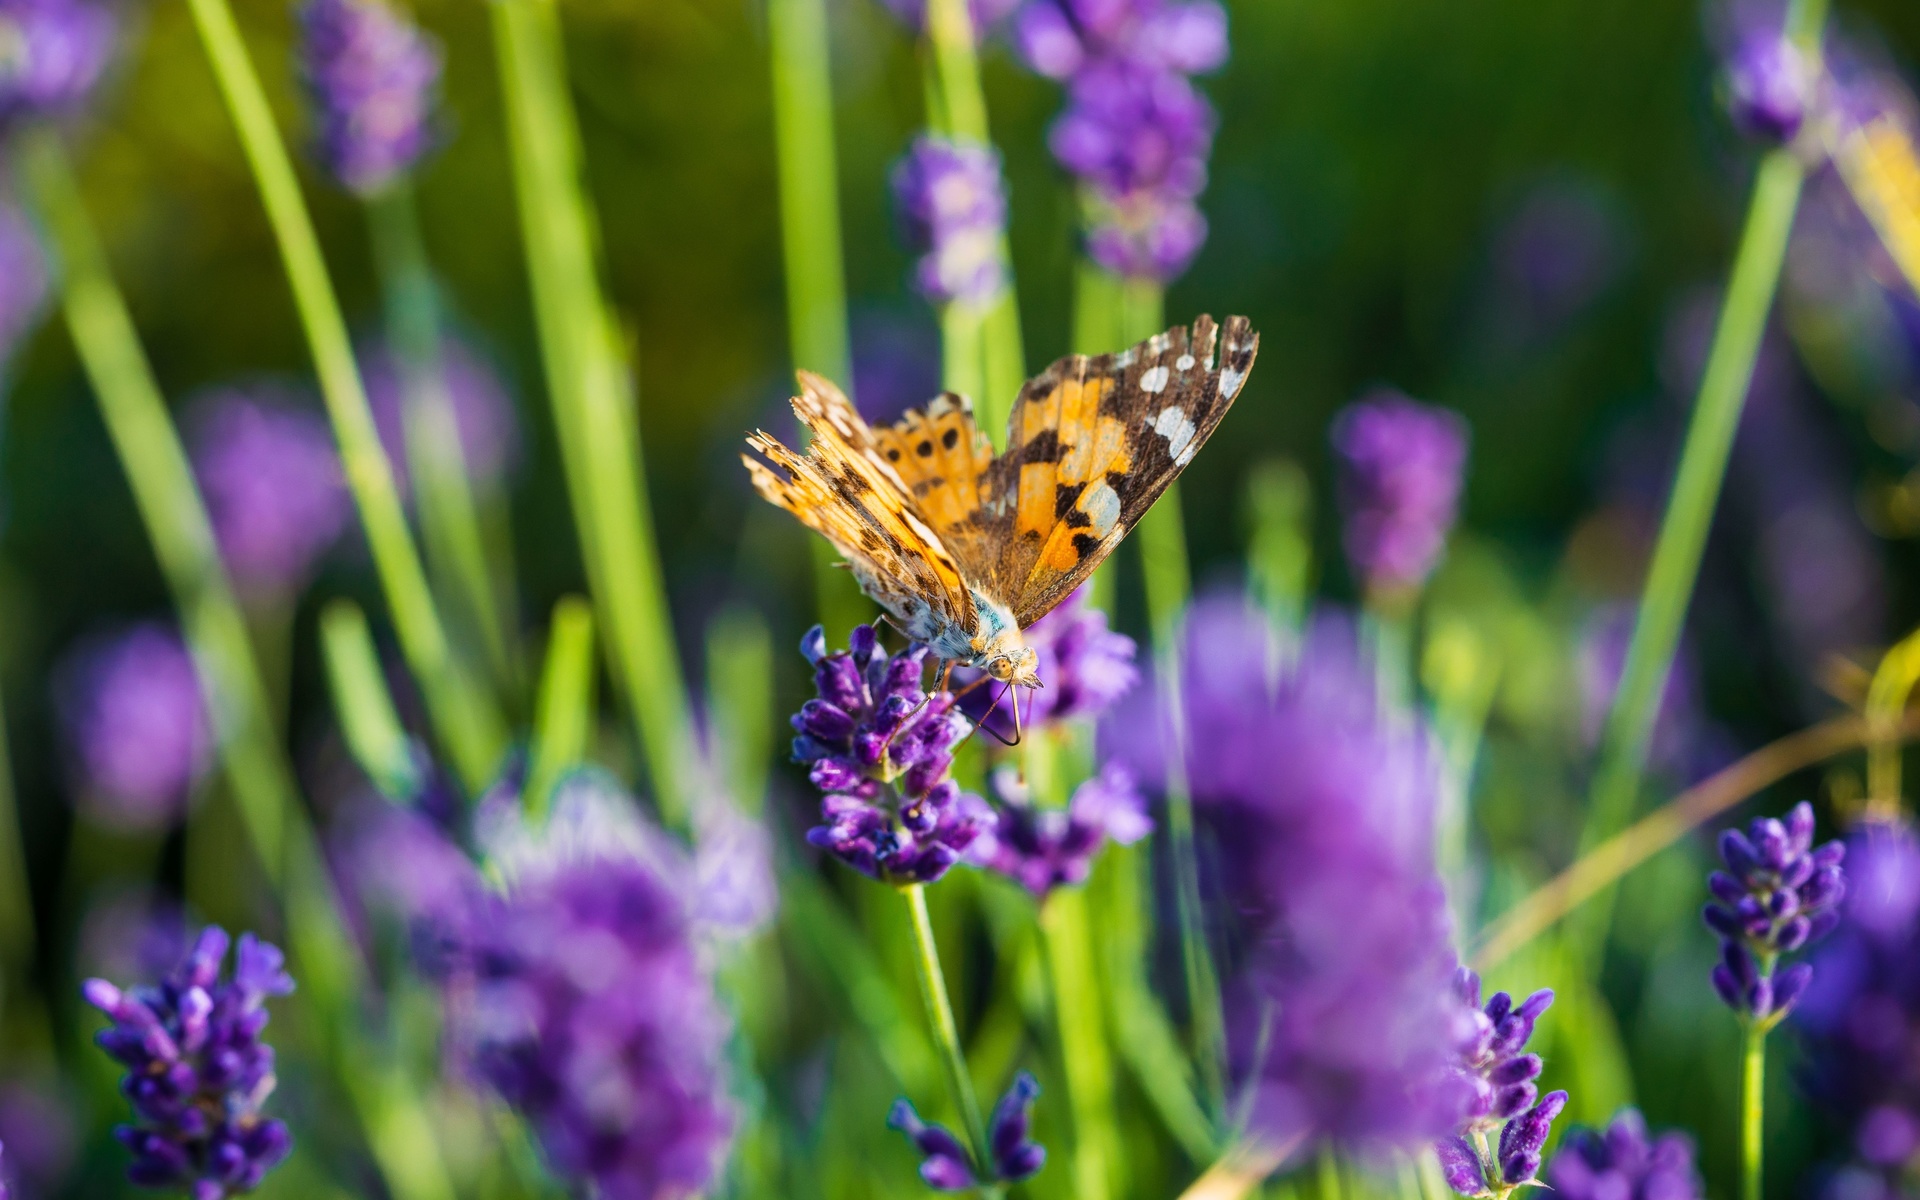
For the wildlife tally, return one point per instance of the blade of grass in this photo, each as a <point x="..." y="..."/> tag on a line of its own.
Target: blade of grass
<point x="592" y="394"/>
<point x="563" y="718"/>
<point x="470" y="731"/>
<point x="368" y="719"/>
<point x="257" y="771"/>
<point x="740" y="693"/>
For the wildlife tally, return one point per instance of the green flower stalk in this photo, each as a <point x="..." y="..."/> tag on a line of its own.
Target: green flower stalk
<point x="469" y="728"/>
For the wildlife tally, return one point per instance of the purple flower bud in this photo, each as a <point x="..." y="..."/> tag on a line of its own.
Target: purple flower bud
<point x="1522" y="1139"/>
<point x="1460" y="1164"/>
<point x="953" y="206"/>
<point x="945" y="1164"/>
<point x="370" y="75"/>
<point x="131" y="709"/>
<point x="1769" y="83"/>
<point x="54" y="52"/>
<point x="1016" y="1156"/>
<point x="1401" y="468"/>
<point x="1738" y="853"/>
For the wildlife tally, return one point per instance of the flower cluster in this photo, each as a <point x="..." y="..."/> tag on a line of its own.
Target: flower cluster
<point x="1777" y="894"/>
<point x="370" y="75"/>
<point x="23" y="278"/>
<point x="954" y="208"/>
<point x="273" y="487"/>
<point x="880" y="748"/>
<point x="945" y="1163"/>
<point x="1859" y="1019"/>
<point x="198" y="1072"/>
<point x="483" y="412"/>
<point x="1623" y="1162"/>
<point x="131" y="709"/>
<point x="1041" y="849"/>
<point x="1401" y="466"/>
<point x="1341" y="1011"/>
<point x="1085" y="665"/>
<point x="51" y="54"/>
<point x="582" y="999"/>
<point x="1498" y="1078"/>
<point x="1136" y="132"/>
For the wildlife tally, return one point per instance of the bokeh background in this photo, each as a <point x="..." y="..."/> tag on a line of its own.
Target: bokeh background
<point x="1519" y="210"/>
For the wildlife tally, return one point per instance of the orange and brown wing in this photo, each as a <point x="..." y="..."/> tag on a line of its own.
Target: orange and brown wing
<point x="1092" y="443"/>
<point x="845" y="490"/>
<point x="943" y="458"/>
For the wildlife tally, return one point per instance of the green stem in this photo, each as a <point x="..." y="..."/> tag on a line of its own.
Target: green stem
<point x="592" y="392"/>
<point x="471" y="732"/>
<point x="1753" y="1079"/>
<point x="369" y="722"/>
<point x="946" y="1034"/>
<point x="1068" y="928"/>
<point x="1683" y="529"/>
<point x="563" y="717"/>
<point x="442" y="484"/>
<point x="257" y="771"/>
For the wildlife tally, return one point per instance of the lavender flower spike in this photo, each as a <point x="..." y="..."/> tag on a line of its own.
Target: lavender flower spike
<point x="1623" y="1163"/>
<point x="954" y="208"/>
<point x="1401" y="466"/>
<point x="1778" y="893"/>
<point x="1499" y="1093"/>
<point x="1041" y="849"/>
<point x="880" y="748"/>
<point x="945" y="1163"/>
<point x="52" y="53"/>
<point x="370" y="75"/>
<point x="137" y="729"/>
<point x="198" y="1072"/>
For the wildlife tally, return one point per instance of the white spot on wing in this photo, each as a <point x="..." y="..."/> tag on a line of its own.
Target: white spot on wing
<point x="1175" y="426"/>
<point x="1102" y="506"/>
<point x="1154" y="380"/>
<point x="1230" y="381"/>
<point x="1183" y="363"/>
<point x="1124" y="359"/>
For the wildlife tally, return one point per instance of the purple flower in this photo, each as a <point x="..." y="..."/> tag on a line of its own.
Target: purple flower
<point x="370" y="75"/>
<point x="23" y="276"/>
<point x="51" y="54"/>
<point x="1496" y="1078"/>
<point x="1860" y="1017"/>
<point x="1135" y="131"/>
<point x="1041" y="849"/>
<point x="1401" y="467"/>
<point x="945" y="1164"/>
<point x="584" y="1002"/>
<point x="482" y="411"/>
<point x="273" y="488"/>
<point x="135" y="722"/>
<point x="985" y="14"/>
<point x="880" y="748"/>
<point x="1769" y="84"/>
<point x="1623" y="1163"/>
<point x="1322" y="815"/>
<point x="954" y="208"/>
<point x="198" y="1072"/>
<point x="1087" y="667"/>
<point x="1777" y="894"/>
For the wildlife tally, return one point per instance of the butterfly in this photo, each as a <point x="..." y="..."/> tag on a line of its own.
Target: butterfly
<point x="965" y="549"/>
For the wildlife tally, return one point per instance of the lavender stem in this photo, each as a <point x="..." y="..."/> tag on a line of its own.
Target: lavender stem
<point x="1753" y="1077"/>
<point x="946" y="1034"/>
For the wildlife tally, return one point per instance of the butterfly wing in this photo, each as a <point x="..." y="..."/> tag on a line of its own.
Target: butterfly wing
<point x="845" y="490"/>
<point x="1092" y="443"/>
<point x="944" y="459"/>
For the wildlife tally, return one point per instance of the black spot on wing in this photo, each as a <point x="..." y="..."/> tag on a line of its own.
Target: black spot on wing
<point x="1045" y="447"/>
<point x="924" y="449"/>
<point x="950" y="438"/>
<point x="1065" y="496"/>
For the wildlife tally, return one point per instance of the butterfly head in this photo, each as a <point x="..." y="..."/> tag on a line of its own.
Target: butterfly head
<point x="1016" y="665"/>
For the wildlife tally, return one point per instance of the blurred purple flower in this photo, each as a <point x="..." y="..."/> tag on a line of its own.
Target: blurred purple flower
<point x="1860" y="1017"/>
<point x="1622" y="1162"/>
<point x="1085" y="665"/>
<point x="23" y="278"/>
<point x="1778" y="893"/>
<point x="482" y="411"/>
<point x="52" y="52"/>
<point x="1322" y="814"/>
<point x="585" y="1004"/>
<point x="273" y="488"/>
<point x="1401" y="468"/>
<point x="946" y="1166"/>
<point x="896" y="365"/>
<point x="135" y="723"/>
<point x="985" y="14"/>
<point x="198" y="1072"/>
<point x="953" y="206"/>
<point x="370" y="75"/>
<point x="880" y="748"/>
<point x="1135" y="131"/>
<point x="1769" y="83"/>
<point x="37" y="1127"/>
<point x="1041" y="849"/>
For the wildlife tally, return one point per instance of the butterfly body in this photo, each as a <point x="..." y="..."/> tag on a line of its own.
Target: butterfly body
<point x="963" y="548"/>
